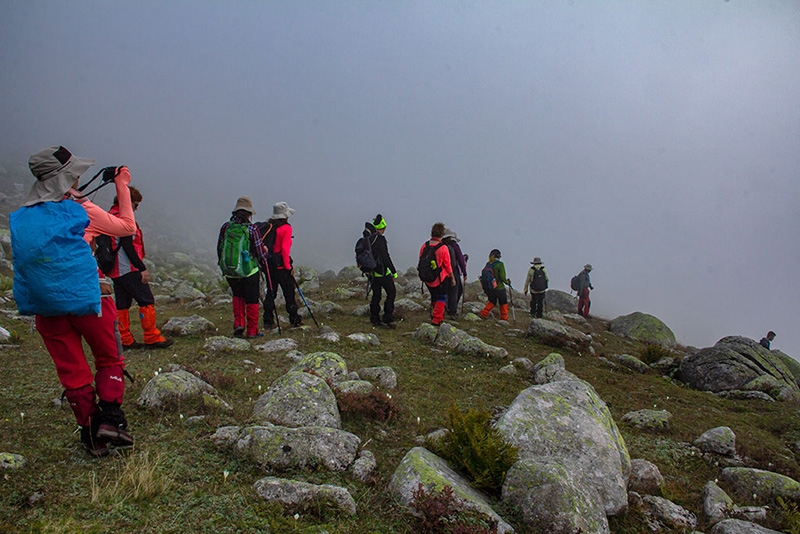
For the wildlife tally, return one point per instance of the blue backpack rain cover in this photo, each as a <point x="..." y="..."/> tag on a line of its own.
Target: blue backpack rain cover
<point x="55" y="272"/>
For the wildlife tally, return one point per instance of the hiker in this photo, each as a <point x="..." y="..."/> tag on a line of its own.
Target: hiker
<point x="241" y="256"/>
<point x="436" y="272"/>
<point x="537" y="281"/>
<point x="281" y="272"/>
<point x="383" y="276"/>
<point x="57" y="279"/>
<point x="459" y="263"/>
<point x="584" y="285"/>
<point x="132" y="282"/>
<point x="765" y="341"/>
<point x="493" y="280"/>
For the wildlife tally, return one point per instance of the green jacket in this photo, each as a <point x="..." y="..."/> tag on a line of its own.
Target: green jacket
<point x="500" y="274"/>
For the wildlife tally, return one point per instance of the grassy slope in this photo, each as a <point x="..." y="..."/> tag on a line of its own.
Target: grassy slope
<point x="175" y="478"/>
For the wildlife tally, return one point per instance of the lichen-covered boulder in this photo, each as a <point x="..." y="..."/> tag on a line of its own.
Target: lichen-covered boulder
<point x="643" y="327"/>
<point x="407" y="305"/>
<point x="448" y="336"/>
<point x="364" y="466"/>
<point x="552" y="500"/>
<point x="194" y="325"/>
<point x="307" y="278"/>
<point x="567" y="422"/>
<point x="325" y="364"/>
<point x="349" y="274"/>
<point x="790" y="363"/>
<point x="720" y="440"/>
<point x="180" y="389"/>
<point x="366" y="339"/>
<point x="631" y="362"/>
<point x="420" y="466"/>
<point x="10" y="460"/>
<point x="226" y="344"/>
<point x="664" y="514"/>
<point x="734" y="363"/>
<point x="755" y="486"/>
<point x="645" y="478"/>
<point x="325" y="307"/>
<point x="279" y="448"/>
<point x="560" y="301"/>
<point x="551" y="369"/>
<point x="557" y="335"/>
<point x="298" y="399"/>
<point x="383" y="375"/>
<point x="716" y="503"/>
<point x="301" y="495"/>
<point x="277" y="345"/>
<point x="737" y="526"/>
<point x="649" y="419"/>
<point x="359" y="387"/>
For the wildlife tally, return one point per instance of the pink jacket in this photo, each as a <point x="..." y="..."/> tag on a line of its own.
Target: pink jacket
<point x="102" y="222"/>
<point x="442" y="258"/>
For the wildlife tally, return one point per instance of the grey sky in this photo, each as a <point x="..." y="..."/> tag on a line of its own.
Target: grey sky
<point x="659" y="140"/>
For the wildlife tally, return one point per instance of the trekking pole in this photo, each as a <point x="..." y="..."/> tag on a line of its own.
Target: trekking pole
<point x="271" y="295"/>
<point x="300" y="291"/>
<point x="511" y="294"/>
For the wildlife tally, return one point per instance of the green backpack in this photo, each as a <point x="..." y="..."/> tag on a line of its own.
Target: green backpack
<point x="235" y="260"/>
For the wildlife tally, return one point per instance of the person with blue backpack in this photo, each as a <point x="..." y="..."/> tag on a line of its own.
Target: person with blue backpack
<point x="57" y="279"/>
<point x="241" y="256"/>
<point x="493" y="281"/>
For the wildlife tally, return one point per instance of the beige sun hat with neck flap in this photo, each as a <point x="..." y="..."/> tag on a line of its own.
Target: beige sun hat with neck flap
<point x="244" y="203"/>
<point x="281" y="210"/>
<point x="56" y="170"/>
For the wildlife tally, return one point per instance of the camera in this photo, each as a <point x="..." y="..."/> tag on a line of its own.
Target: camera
<point x="109" y="173"/>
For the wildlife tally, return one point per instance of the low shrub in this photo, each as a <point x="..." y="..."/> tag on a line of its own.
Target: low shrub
<point x="375" y="405"/>
<point x="652" y="352"/>
<point x="440" y="512"/>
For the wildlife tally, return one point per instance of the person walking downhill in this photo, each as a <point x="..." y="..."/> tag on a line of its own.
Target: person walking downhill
<point x="281" y="272"/>
<point x="537" y="281"/>
<point x="493" y="280"/>
<point x="436" y="272"/>
<point x="241" y="255"/>
<point x="382" y="277"/>
<point x="459" y="263"/>
<point x="57" y="279"/>
<point x="132" y="282"/>
<point x="584" y="285"/>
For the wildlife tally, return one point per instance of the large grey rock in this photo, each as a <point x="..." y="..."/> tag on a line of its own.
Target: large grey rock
<point x="364" y="466"/>
<point x="281" y="448"/>
<point x="755" y="486"/>
<point x="645" y="478"/>
<point x="301" y="495"/>
<point x="716" y="503"/>
<point x="720" y="440"/>
<point x="643" y="327"/>
<point x="383" y="375"/>
<point x="366" y="339"/>
<point x="567" y="422"/>
<point x="649" y="419"/>
<point x="307" y="278"/>
<point x="325" y="364"/>
<point x="298" y="399"/>
<point x="186" y="291"/>
<point x="553" y="500"/>
<point x="420" y="466"/>
<point x="226" y="344"/>
<point x="737" y="526"/>
<point x="792" y="364"/>
<point x="407" y="305"/>
<point x="557" y="335"/>
<point x="277" y="345"/>
<point x="631" y="362"/>
<point x="446" y="335"/>
<point x="551" y="369"/>
<point x="194" y="325"/>
<point x="556" y="300"/>
<point x="662" y="513"/>
<point x="735" y="363"/>
<point x="180" y="389"/>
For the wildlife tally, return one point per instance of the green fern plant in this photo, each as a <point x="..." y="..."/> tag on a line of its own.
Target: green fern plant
<point x="476" y="448"/>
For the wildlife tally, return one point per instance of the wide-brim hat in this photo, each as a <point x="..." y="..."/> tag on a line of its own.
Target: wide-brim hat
<point x="449" y="234"/>
<point x="536" y="261"/>
<point x="281" y="210"/>
<point x="244" y="203"/>
<point x="588" y="267"/>
<point x="56" y="170"/>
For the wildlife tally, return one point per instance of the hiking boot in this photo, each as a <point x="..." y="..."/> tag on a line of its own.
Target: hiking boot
<point x="375" y="321"/>
<point x="111" y="425"/>
<point x="133" y="346"/>
<point x="238" y="331"/>
<point x="260" y="334"/>
<point x="160" y="344"/>
<point x="97" y="447"/>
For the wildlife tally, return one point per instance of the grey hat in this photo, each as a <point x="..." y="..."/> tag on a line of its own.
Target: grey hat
<point x="449" y="234"/>
<point x="244" y="203"/>
<point x="56" y="170"/>
<point x="536" y="261"/>
<point x="281" y="210"/>
<point x="588" y="267"/>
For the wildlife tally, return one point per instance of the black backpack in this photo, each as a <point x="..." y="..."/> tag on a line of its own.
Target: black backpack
<point x="488" y="280"/>
<point x="539" y="282"/>
<point x="364" y="258"/>
<point x="428" y="268"/>
<point x="105" y="253"/>
<point x="575" y="283"/>
<point x="267" y="230"/>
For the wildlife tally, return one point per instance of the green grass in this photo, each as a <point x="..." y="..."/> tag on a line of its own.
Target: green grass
<point x="175" y="479"/>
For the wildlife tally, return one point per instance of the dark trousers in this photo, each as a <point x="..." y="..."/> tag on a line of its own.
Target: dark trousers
<point x="129" y="287"/>
<point x="454" y="293"/>
<point x="497" y="296"/>
<point x="246" y="288"/>
<point x="537" y="304"/>
<point x="382" y="283"/>
<point x="283" y="279"/>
